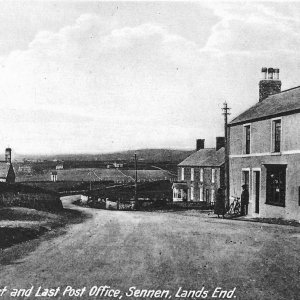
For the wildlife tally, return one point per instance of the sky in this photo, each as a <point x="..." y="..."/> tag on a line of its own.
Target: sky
<point x="95" y="77"/>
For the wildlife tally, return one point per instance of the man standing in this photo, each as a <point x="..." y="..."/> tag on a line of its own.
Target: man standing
<point x="244" y="200"/>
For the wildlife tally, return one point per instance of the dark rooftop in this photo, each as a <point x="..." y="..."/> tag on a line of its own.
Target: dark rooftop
<point x="285" y="102"/>
<point x="207" y="157"/>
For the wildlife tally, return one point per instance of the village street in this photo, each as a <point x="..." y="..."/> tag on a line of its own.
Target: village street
<point x="166" y="251"/>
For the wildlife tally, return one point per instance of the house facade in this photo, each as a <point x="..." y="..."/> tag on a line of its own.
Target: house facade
<point x="201" y="174"/>
<point x="264" y="151"/>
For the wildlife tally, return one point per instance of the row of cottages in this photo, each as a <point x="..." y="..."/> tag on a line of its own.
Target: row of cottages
<point x="264" y="150"/>
<point x="201" y="174"/>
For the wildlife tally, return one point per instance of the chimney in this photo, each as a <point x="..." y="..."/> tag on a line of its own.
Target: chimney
<point x="8" y="155"/>
<point x="200" y="144"/>
<point x="269" y="84"/>
<point x="220" y="142"/>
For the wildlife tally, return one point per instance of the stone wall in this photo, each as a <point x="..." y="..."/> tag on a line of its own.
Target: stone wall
<point x="39" y="201"/>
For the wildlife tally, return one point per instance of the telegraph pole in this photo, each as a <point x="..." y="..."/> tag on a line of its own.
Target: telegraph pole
<point x="226" y="113"/>
<point x="135" y="181"/>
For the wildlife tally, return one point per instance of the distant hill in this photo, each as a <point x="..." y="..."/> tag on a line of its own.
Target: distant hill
<point x="147" y="155"/>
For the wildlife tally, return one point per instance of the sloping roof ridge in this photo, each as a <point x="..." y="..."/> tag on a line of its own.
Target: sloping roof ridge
<point x="293" y="88"/>
<point x="259" y="103"/>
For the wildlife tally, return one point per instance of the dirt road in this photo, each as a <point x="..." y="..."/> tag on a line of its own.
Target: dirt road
<point x="162" y="251"/>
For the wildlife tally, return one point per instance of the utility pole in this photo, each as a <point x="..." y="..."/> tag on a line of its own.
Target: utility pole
<point x="135" y="181"/>
<point x="226" y="113"/>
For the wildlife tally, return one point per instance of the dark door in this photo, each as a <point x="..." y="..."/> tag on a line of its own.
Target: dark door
<point x="207" y="196"/>
<point x="257" y="190"/>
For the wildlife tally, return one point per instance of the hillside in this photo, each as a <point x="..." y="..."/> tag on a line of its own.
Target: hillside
<point x="150" y="155"/>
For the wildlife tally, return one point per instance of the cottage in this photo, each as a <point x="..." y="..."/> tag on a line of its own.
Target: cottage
<point x="264" y="150"/>
<point x="7" y="173"/>
<point x="201" y="174"/>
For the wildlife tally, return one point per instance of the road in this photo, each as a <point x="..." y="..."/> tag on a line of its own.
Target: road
<point x="162" y="251"/>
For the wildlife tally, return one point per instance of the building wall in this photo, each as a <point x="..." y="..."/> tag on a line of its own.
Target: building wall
<point x="261" y="154"/>
<point x="207" y="183"/>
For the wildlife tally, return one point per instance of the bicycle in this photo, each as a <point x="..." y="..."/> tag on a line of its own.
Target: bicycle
<point x="235" y="207"/>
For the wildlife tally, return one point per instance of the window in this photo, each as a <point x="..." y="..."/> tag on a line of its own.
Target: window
<point x="192" y="174"/>
<point x="247" y="139"/>
<point x="192" y="193"/>
<point x="276" y="184"/>
<point x="182" y="173"/>
<point x="245" y="179"/>
<point x="213" y="175"/>
<point x="201" y="193"/>
<point x="213" y="195"/>
<point x="276" y="135"/>
<point x="201" y="175"/>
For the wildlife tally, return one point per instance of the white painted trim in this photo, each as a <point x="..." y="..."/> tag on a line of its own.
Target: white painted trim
<point x="266" y="154"/>
<point x="250" y="155"/>
<point x="273" y="139"/>
<point x="291" y="152"/>
<point x="253" y="192"/>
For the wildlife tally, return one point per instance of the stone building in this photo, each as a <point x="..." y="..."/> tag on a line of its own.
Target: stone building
<point x="7" y="173"/>
<point x="201" y="174"/>
<point x="264" y="150"/>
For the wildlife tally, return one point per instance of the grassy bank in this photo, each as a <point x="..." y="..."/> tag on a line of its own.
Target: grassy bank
<point x="20" y="227"/>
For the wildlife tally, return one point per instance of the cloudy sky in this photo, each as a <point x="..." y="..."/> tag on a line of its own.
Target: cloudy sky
<point x="106" y="76"/>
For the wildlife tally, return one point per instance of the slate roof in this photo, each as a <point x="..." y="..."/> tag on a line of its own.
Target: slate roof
<point x="4" y="168"/>
<point x="207" y="157"/>
<point x="286" y="102"/>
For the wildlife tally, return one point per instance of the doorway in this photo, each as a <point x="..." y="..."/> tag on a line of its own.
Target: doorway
<point x="256" y="191"/>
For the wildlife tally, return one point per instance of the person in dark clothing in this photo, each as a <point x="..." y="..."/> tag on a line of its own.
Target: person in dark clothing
<point x="219" y="208"/>
<point x="244" y="200"/>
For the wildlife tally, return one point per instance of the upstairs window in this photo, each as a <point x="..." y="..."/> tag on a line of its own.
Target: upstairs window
<point x="201" y="175"/>
<point x="276" y="135"/>
<point x="213" y="171"/>
<point x="192" y="174"/>
<point x="182" y="173"/>
<point x="247" y="139"/>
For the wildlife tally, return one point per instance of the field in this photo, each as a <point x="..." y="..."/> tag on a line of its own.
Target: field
<point x="83" y="174"/>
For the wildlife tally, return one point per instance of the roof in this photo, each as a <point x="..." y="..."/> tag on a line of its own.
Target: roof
<point x="4" y="168"/>
<point x="283" y="103"/>
<point x="207" y="157"/>
<point x="179" y="185"/>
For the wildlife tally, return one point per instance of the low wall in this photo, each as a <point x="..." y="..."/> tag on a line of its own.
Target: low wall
<point x="39" y="201"/>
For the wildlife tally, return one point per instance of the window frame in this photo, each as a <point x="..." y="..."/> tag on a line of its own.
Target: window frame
<point x="213" y="175"/>
<point x="246" y="147"/>
<point x="282" y="190"/>
<point x="273" y="135"/>
<point x="192" y="193"/>
<point x="201" y="174"/>
<point x="201" y="193"/>
<point x="192" y="174"/>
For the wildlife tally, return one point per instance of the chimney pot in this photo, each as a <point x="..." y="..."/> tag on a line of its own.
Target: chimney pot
<point x="264" y="72"/>
<point x="270" y="73"/>
<point x="220" y="142"/>
<point x="270" y="86"/>
<point x="199" y="144"/>
<point x="8" y="155"/>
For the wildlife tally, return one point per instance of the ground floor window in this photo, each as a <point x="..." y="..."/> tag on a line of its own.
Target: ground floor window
<point x="201" y="193"/>
<point x="192" y="193"/>
<point x="276" y="181"/>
